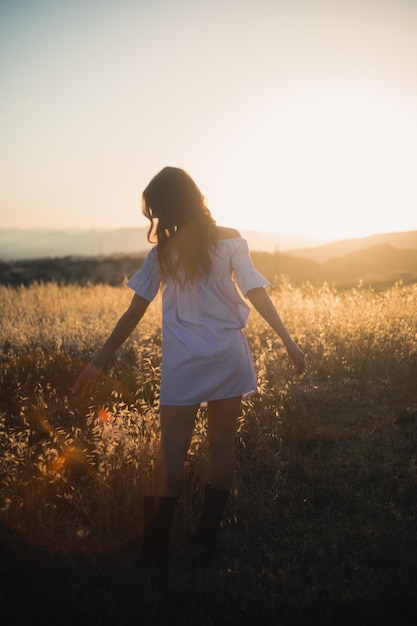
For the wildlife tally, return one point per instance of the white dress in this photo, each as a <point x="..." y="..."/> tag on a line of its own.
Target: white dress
<point x="205" y="354"/>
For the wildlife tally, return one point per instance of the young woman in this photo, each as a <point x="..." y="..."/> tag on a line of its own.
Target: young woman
<point x="205" y="355"/>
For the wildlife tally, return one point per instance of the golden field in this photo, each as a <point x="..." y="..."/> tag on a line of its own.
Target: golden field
<point x="321" y="524"/>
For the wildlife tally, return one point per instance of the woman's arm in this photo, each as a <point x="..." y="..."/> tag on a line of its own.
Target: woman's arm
<point x="123" y="329"/>
<point x="265" y="307"/>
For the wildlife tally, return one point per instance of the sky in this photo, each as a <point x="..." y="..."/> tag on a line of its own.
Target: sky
<point x="290" y="115"/>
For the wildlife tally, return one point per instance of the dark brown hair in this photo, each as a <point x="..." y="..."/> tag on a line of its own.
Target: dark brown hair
<point x="182" y="224"/>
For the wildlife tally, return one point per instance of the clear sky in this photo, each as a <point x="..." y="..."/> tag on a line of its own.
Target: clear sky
<point x="291" y="115"/>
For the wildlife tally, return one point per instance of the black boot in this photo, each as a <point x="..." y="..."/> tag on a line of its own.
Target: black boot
<point x="158" y="514"/>
<point x="209" y="525"/>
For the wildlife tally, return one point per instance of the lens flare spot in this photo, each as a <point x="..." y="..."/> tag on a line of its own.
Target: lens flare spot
<point x="103" y="415"/>
<point x="57" y="464"/>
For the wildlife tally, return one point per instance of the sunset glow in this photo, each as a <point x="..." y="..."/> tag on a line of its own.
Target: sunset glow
<point x="291" y="116"/>
<point x="332" y="161"/>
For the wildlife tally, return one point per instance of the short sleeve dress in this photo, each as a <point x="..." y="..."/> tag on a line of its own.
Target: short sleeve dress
<point x="205" y="354"/>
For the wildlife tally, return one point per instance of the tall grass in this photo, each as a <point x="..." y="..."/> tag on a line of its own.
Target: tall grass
<point x="322" y="512"/>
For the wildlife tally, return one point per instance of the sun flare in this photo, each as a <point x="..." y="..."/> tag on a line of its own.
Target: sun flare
<point x="332" y="161"/>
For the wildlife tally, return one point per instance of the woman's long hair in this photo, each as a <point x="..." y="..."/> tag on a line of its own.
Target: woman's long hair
<point x="184" y="228"/>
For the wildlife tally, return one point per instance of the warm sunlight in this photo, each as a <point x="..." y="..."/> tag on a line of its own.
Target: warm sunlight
<point x="208" y="428"/>
<point x="327" y="159"/>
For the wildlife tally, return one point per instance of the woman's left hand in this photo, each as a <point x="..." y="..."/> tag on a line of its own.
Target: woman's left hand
<point x="297" y="357"/>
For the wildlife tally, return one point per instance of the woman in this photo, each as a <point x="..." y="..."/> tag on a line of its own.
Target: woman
<point x="205" y="355"/>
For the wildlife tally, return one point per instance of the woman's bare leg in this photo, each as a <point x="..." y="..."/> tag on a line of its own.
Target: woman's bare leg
<point x="221" y="425"/>
<point x="177" y="424"/>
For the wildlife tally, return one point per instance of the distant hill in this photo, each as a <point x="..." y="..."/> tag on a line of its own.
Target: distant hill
<point x="401" y="240"/>
<point x="110" y="255"/>
<point x="16" y="243"/>
<point x="378" y="266"/>
<point x="370" y="263"/>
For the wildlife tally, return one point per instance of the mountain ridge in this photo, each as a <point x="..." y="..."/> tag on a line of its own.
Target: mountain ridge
<point x="17" y="243"/>
<point x="378" y="265"/>
<point x="402" y="240"/>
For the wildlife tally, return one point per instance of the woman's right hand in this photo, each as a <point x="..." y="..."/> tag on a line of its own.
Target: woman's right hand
<point x="87" y="379"/>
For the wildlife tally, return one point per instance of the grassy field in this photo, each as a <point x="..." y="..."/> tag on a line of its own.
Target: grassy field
<point x="321" y="526"/>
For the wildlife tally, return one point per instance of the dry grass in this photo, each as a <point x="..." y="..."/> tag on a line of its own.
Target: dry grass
<point x="321" y="524"/>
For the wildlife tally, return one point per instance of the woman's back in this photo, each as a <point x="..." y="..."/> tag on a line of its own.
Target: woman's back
<point x="205" y="354"/>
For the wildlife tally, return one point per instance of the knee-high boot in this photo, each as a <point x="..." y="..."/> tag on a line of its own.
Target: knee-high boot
<point x="209" y="525"/>
<point x="158" y="518"/>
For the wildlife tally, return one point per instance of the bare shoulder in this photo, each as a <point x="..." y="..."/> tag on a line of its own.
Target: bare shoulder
<point x="227" y="233"/>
